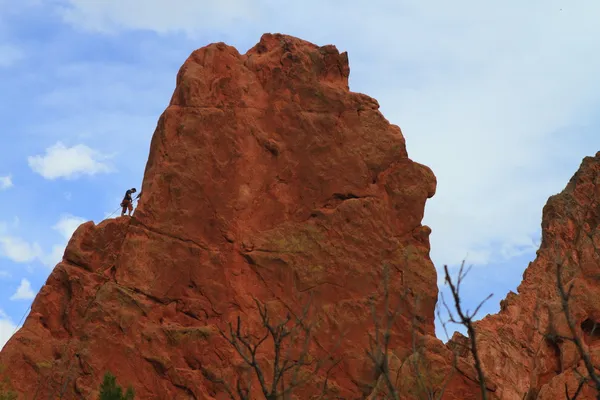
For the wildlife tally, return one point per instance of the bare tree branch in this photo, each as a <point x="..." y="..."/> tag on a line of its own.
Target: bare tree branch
<point x="291" y="338"/>
<point x="466" y="319"/>
<point x="577" y="392"/>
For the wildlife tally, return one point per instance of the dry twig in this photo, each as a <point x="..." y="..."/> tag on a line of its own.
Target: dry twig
<point x="284" y="335"/>
<point x="466" y="319"/>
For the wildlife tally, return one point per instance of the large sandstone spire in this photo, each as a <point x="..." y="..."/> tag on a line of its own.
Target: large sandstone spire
<point x="267" y="177"/>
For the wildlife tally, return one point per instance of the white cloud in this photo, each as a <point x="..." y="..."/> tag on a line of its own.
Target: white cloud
<point x="7" y="328"/>
<point x="9" y="55"/>
<point x="15" y="248"/>
<point x="19" y="250"/>
<point x="66" y="226"/>
<point x="497" y="114"/>
<point x="111" y="16"/>
<point x="69" y="162"/>
<point x="55" y="256"/>
<point x="6" y="182"/>
<point x="5" y="274"/>
<point x="24" y="291"/>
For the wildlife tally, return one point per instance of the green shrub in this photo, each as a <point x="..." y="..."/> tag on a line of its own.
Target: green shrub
<point x="109" y="390"/>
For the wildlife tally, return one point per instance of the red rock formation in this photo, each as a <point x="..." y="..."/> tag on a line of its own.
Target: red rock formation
<point x="519" y="347"/>
<point x="266" y="178"/>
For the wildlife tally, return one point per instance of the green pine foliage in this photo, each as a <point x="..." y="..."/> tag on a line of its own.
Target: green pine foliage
<point x="110" y="390"/>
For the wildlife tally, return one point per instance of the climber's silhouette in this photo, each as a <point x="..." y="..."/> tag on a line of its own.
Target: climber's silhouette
<point x="127" y="202"/>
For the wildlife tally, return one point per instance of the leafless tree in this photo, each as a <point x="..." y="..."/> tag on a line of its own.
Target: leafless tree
<point x="466" y="319"/>
<point x="293" y="365"/>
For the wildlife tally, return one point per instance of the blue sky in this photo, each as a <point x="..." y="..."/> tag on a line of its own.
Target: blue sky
<point x="500" y="100"/>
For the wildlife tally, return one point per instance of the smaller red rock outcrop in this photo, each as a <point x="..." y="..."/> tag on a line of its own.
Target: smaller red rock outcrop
<point x="521" y="347"/>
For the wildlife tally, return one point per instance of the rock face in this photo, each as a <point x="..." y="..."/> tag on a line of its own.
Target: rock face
<point x="267" y="178"/>
<point x="521" y="347"/>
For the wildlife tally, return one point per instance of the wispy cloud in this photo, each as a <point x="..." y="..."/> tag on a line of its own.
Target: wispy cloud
<point x="61" y="161"/>
<point x="178" y="15"/>
<point x="54" y="256"/>
<point x="10" y="55"/>
<point x="21" y="251"/>
<point x="6" y="182"/>
<point x="7" y="328"/>
<point x="66" y="226"/>
<point x="24" y="291"/>
<point x="18" y="249"/>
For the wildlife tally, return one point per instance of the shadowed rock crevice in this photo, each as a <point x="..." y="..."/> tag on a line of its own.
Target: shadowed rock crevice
<point x="591" y="331"/>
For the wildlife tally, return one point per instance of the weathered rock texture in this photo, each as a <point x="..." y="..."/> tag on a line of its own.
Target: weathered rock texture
<point x="266" y="178"/>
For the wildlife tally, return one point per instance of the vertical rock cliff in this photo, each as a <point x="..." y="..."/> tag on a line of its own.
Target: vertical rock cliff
<point x="267" y="178"/>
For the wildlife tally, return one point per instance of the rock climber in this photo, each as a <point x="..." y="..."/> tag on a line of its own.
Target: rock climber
<point x="127" y="202"/>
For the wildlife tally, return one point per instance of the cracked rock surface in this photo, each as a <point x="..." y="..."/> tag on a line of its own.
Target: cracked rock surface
<point x="267" y="178"/>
